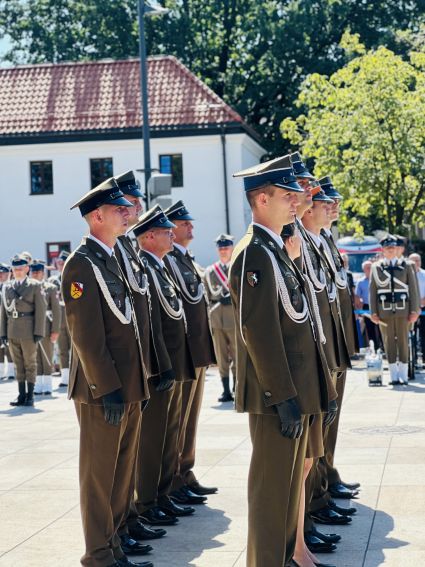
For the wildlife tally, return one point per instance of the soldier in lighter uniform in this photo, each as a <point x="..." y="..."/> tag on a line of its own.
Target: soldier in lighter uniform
<point x="282" y="372"/>
<point x="221" y="313"/>
<point x="23" y="325"/>
<point x="7" y="368"/>
<point x="107" y="379"/>
<point x="43" y="384"/>
<point x="394" y="305"/>
<point x="64" y="340"/>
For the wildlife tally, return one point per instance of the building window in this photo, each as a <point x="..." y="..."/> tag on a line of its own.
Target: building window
<point x="100" y="169"/>
<point x="41" y="177"/>
<point x="172" y="164"/>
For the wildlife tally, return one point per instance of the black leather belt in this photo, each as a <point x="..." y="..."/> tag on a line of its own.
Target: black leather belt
<point x="31" y="314"/>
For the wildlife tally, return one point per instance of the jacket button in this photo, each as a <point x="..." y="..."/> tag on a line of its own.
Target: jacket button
<point x="93" y="386"/>
<point x="268" y="394"/>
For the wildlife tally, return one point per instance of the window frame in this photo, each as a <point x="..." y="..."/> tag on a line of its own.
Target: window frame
<point x="43" y="177"/>
<point x="172" y="155"/>
<point x="100" y="159"/>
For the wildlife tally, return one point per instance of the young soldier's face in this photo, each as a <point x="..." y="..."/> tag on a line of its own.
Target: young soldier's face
<point x="115" y="217"/>
<point x="334" y="211"/>
<point x="183" y="230"/>
<point x="320" y="213"/>
<point x="134" y="211"/>
<point x="282" y="205"/>
<point x="389" y="252"/>
<point x="38" y="275"/>
<point x="19" y="272"/>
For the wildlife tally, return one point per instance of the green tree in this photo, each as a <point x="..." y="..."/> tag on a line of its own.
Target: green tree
<point x="365" y="127"/>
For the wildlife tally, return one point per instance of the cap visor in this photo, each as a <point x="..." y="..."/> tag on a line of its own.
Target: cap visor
<point x="167" y="224"/>
<point x="185" y="217"/>
<point x="305" y="175"/>
<point x="290" y="187"/>
<point x="120" y="202"/>
<point x="133" y="193"/>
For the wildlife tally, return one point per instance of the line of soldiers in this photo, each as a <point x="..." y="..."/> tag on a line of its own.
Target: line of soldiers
<point x="295" y="335"/>
<point x="31" y="322"/>
<point x="137" y="315"/>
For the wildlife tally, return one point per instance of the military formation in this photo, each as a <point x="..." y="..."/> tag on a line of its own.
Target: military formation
<point x="137" y="322"/>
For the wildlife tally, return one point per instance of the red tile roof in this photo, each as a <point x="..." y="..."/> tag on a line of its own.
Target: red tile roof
<point x="105" y="96"/>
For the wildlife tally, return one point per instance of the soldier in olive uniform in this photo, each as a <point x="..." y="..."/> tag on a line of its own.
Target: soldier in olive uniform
<point x="221" y="313"/>
<point x="43" y="384"/>
<point x="107" y="378"/>
<point x="64" y="340"/>
<point x="395" y="305"/>
<point x="180" y="264"/>
<point x="22" y="325"/>
<point x="281" y="378"/>
<point x="161" y="419"/>
<point x="7" y="368"/>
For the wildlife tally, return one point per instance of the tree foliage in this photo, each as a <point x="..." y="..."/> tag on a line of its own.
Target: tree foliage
<point x="365" y="127"/>
<point x="253" y="53"/>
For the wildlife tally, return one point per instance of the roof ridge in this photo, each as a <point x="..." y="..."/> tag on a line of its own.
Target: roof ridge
<point x="104" y="61"/>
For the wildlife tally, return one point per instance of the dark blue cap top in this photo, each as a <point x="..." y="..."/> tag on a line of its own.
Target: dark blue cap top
<point x="329" y="188"/>
<point x="401" y="241"/>
<point x="4" y="268"/>
<point x="19" y="260"/>
<point x="128" y="184"/>
<point x="224" y="240"/>
<point x="37" y="266"/>
<point x="107" y="193"/>
<point x="300" y="169"/>
<point x="178" y="211"/>
<point x="63" y="255"/>
<point x="322" y="197"/>
<point x="388" y="241"/>
<point x="154" y="218"/>
<point x="283" y="178"/>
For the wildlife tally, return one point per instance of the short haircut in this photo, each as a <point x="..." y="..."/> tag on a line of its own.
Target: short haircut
<point x="252" y="195"/>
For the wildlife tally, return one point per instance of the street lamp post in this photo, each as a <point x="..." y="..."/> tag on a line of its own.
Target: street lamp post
<point x="145" y="8"/>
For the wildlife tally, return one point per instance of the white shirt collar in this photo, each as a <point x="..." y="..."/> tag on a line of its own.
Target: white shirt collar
<point x="182" y="249"/>
<point x="108" y="250"/>
<point x="328" y="231"/>
<point x="155" y="257"/>
<point x="276" y="237"/>
<point x="315" y="238"/>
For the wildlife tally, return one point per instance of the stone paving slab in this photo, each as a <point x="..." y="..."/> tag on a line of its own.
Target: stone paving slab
<point x="381" y="445"/>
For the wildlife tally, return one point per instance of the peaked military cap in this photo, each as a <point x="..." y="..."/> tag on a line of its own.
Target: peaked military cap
<point x="128" y="184"/>
<point x="37" y="266"/>
<point x="63" y="255"/>
<point x="107" y="193"/>
<point x="19" y="260"/>
<point x="329" y="188"/>
<point x="26" y="255"/>
<point x="178" y="211"/>
<point x="321" y="196"/>
<point x="300" y="169"/>
<point x="282" y="162"/>
<point x="401" y="241"/>
<point x="388" y="240"/>
<point x="224" y="240"/>
<point x="154" y="218"/>
<point x="4" y="268"/>
<point x="283" y="178"/>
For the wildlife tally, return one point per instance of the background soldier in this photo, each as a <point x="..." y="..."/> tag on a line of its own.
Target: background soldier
<point x="107" y="378"/>
<point x="64" y="340"/>
<point x="22" y="324"/>
<point x="394" y="305"/>
<point x="221" y="313"/>
<point x="7" y="368"/>
<point x="43" y="384"/>
<point x="180" y="264"/>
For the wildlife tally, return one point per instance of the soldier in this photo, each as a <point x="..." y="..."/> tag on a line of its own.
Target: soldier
<point x="221" y="313"/>
<point x="282" y="372"/>
<point x="107" y="379"/>
<point x="160" y="427"/>
<point x="22" y="325"/>
<point x="43" y="384"/>
<point x="7" y="368"/>
<point x="394" y="305"/>
<point x="180" y="264"/>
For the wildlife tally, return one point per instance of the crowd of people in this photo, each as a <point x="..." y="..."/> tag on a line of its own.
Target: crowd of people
<point x="143" y="321"/>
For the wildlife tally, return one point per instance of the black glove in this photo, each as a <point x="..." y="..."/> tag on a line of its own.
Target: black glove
<point x="113" y="407"/>
<point x="290" y="419"/>
<point x="331" y="415"/>
<point x="4" y="342"/>
<point x="166" y="380"/>
<point x="143" y="404"/>
<point x="38" y="338"/>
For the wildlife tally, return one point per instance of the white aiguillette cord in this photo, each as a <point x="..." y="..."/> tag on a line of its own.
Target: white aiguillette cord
<point x="130" y="274"/>
<point x="189" y="298"/>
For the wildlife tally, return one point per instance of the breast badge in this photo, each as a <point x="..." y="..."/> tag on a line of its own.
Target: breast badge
<point x="76" y="290"/>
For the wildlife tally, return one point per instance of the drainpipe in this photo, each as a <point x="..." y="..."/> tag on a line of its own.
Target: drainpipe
<point x="226" y="187"/>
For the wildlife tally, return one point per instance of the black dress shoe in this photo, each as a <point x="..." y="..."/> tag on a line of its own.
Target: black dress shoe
<point x="351" y="485"/>
<point x="316" y="545"/>
<point x="327" y="538"/>
<point x="338" y="490"/>
<point x="226" y="397"/>
<point x="61" y="385"/>
<point x="156" y="517"/>
<point x="125" y="562"/>
<point x="132" y="547"/>
<point x="202" y="490"/>
<point x="343" y="511"/>
<point x="170" y="508"/>
<point x="328" y="516"/>
<point x="140" y="532"/>
<point x="186" y="496"/>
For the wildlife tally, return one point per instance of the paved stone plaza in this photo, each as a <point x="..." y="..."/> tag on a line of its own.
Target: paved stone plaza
<point x="382" y="445"/>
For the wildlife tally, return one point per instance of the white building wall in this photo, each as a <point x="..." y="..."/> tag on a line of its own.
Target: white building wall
<point x="28" y="222"/>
